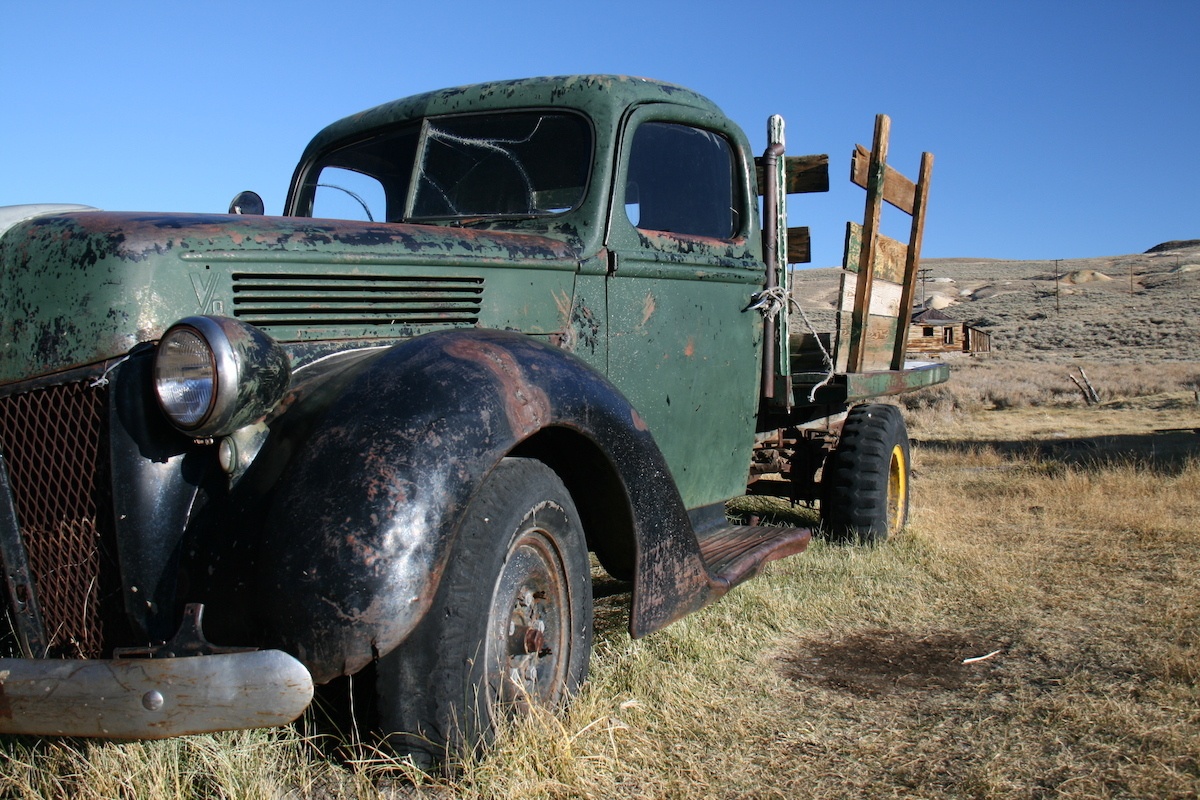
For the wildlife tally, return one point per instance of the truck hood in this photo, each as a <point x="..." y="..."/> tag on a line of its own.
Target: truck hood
<point x="81" y="287"/>
<point x="11" y="215"/>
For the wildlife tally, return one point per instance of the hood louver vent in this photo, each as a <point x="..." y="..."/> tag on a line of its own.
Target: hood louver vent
<point x="353" y="300"/>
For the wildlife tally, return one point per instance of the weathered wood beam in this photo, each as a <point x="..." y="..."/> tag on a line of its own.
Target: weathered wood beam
<point x="897" y="189"/>
<point x="913" y="261"/>
<point x="890" y="255"/>
<point x="802" y="174"/>
<point x="799" y="246"/>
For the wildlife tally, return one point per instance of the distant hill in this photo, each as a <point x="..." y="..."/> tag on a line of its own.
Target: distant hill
<point x="1184" y="244"/>
<point x="1142" y="307"/>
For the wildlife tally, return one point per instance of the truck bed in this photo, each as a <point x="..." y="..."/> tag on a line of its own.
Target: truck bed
<point x="850" y="387"/>
<point x="809" y="370"/>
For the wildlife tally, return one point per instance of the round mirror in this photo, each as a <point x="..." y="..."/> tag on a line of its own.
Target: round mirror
<point x="247" y="203"/>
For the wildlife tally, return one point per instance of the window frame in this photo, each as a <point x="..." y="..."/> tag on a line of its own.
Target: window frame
<point x="305" y="185"/>
<point x="741" y="243"/>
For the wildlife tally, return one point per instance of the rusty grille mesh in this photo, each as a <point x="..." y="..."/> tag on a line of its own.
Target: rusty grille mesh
<point x="52" y="442"/>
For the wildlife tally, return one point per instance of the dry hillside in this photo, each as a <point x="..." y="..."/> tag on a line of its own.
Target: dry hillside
<point x="1138" y="307"/>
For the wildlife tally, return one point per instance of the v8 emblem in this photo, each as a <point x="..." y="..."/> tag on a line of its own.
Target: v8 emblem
<point x="204" y="293"/>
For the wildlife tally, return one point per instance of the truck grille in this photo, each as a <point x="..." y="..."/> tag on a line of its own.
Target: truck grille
<point x="355" y="300"/>
<point x="51" y="438"/>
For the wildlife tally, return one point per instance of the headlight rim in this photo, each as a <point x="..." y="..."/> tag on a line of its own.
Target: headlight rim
<point x="234" y="365"/>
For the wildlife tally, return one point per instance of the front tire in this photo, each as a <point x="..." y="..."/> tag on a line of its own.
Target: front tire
<point x="510" y="626"/>
<point x="865" y="483"/>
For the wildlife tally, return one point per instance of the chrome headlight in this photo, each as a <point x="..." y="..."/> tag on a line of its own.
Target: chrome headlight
<point x="214" y="375"/>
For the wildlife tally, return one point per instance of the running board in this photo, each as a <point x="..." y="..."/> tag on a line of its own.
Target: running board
<point x="735" y="553"/>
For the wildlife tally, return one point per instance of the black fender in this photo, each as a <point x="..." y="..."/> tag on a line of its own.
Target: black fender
<point x="364" y="516"/>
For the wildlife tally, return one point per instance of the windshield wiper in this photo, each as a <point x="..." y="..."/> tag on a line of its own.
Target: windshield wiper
<point x="479" y="219"/>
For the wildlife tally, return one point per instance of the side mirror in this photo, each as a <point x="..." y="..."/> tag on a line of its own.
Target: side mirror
<point x="247" y="203"/>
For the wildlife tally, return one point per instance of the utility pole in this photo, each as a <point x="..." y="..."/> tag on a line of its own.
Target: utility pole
<point x="923" y="274"/>
<point x="1057" y="307"/>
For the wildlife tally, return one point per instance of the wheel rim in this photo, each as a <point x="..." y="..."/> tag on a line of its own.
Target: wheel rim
<point x="528" y="644"/>
<point x="897" y="494"/>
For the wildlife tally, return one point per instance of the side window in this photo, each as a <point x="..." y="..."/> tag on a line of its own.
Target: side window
<point x="363" y="180"/>
<point x="346" y="194"/>
<point x="681" y="180"/>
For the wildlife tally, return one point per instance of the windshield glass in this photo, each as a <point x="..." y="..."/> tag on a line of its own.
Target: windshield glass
<point x="481" y="166"/>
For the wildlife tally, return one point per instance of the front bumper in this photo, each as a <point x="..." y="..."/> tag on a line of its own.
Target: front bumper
<point x="151" y="698"/>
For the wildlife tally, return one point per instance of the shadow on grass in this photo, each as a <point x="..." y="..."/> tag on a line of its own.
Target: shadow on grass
<point x="877" y="661"/>
<point x="1163" y="452"/>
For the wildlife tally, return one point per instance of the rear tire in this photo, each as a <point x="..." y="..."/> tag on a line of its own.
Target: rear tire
<point x="509" y="628"/>
<point x="865" y="483"/>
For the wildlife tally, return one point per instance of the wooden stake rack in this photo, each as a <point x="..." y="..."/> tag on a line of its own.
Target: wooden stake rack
<point x="881" y="278"/>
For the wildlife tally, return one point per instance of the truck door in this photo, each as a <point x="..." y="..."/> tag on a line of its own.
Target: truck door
<point x="682" y="344"/>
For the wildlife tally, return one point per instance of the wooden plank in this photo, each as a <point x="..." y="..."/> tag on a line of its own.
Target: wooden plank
<point x="878" y="343"/>
<point x="890" y="258"/>
<point x="802" y="174"/>
<point x="886" y="298"/>
<point x="897" y="189"/>
<point x="841" y="344"/>
<point x="881" y="329"/>
<point x="808" y="351"/>
<point x="913" y="258"/>
<point x="799" y="246"/>
<point x="853" y="249"/>
<point x="890" y="255"/>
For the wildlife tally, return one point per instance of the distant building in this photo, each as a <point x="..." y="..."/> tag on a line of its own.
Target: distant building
<point x="932" y="332"/>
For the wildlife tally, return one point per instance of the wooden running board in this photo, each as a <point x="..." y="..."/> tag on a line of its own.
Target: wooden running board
<point x="735" y="553"/>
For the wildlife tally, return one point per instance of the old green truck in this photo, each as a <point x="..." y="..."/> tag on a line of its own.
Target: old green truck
<point x="499" y="331"/>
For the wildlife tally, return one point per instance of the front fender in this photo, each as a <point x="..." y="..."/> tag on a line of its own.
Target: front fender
<point x="365" y="514"/>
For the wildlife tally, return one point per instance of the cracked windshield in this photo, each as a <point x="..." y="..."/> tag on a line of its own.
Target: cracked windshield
<point x="477" y="167"/>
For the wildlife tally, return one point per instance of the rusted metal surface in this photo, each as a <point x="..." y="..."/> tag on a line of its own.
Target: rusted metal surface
<point x="361" y="518"/>
<point x="151" y="698"/>
<point x="736" y="553"/>
<point x="79" y="288"/>
<point x="52" y="443"/>
<point x="28" y="628"/>
<point x="188" y="641"/>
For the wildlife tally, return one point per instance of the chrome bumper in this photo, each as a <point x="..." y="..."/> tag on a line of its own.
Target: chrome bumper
<point x="151" y="698"/>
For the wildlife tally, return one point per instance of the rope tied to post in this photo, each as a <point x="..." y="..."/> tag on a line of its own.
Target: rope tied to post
<point x="768" y="302"/>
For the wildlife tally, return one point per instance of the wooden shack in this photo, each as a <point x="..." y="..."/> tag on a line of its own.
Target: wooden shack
<point x="932" y="332"/>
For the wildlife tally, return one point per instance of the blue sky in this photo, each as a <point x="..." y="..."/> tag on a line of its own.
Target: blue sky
<point x="1060" y="129"/>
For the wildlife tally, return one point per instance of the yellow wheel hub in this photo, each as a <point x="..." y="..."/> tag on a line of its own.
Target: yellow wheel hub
<point x="897" y="491"/>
